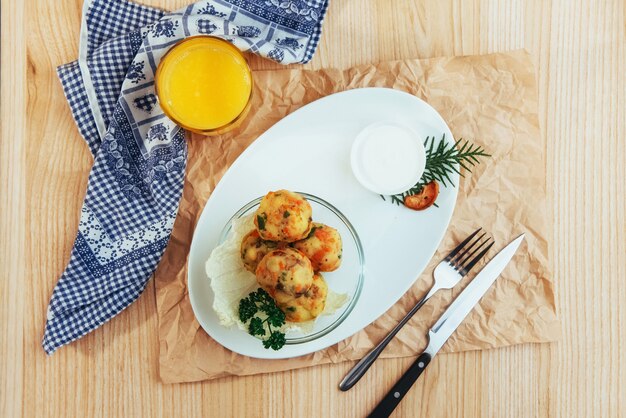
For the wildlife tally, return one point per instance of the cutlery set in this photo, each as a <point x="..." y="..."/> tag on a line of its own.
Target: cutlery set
<point x="447" y="274"/>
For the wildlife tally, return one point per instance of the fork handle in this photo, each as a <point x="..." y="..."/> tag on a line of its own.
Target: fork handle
<point x="355" y="374"/>
<point x="397" y="392"/>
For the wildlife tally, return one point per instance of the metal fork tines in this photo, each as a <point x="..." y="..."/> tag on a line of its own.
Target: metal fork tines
<point x="447" y="274"/>
<point x="459" y="257"/>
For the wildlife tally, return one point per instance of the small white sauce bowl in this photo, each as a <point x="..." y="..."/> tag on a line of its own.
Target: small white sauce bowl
<point x="388" y="158"/>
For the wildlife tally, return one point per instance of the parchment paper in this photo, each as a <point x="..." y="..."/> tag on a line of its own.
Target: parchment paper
<point x="489" y="99"/>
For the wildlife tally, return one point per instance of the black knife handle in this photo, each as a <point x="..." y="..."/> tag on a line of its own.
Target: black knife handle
<point x="366" y="362"/>
<point x="395" y="395"/>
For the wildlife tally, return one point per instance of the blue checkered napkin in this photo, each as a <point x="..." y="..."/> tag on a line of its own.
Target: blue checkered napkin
<point x="140" y="155"/>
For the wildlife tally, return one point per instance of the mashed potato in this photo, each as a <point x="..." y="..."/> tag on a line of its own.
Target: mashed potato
<point x="323" y="247"/>
<point x="285" y="270"/>
<point x="283" y="216"/>
<point x="254" y="248"/>
<point x="306" y="306"/>
<point x="230" y="281"/>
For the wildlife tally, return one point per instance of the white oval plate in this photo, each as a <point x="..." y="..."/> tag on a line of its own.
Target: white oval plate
<point x="309" y="150"/>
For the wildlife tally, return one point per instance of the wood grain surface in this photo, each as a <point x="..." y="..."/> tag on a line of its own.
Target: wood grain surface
<point x="579" y="49"/>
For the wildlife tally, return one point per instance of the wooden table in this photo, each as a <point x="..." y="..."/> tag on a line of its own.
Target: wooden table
<point x="580" y="55"/>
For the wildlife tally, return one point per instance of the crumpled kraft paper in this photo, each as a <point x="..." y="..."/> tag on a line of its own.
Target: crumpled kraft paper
<point x="489" y="99"/>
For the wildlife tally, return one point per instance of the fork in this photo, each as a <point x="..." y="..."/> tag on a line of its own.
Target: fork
<point x="447" y="274"/>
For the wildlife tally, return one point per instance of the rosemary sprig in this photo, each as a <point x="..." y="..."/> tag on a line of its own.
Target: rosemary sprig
<point x="442" y="161"/>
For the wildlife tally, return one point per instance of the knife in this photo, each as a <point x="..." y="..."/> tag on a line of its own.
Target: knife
<point x="446" y="325"/>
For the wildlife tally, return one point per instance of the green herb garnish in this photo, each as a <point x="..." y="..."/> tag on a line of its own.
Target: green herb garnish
<point x="261" y="222"/>
<point x="265" y="318"/>
<point x="443" y="160"/>
<point x="286" y="214"/>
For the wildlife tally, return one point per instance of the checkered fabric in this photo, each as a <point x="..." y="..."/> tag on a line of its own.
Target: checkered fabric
<point x="140" y="155"/>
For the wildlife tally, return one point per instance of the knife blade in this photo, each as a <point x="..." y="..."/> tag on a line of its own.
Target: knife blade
<point x="447" y="324"/>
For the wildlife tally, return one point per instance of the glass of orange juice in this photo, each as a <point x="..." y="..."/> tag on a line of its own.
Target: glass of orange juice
<point x="204" y="84"/>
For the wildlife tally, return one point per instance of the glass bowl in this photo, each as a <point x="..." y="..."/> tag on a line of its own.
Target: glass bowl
<point x="347" y="279"/>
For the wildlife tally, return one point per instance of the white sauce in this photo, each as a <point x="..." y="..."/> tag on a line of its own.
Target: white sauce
<point x="388" y="158"/>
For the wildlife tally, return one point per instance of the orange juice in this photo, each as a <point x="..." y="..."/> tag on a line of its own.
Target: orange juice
<point x="204" y="84"/>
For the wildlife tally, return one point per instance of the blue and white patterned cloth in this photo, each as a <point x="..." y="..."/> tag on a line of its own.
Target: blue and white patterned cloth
<point x="139" y="154"/>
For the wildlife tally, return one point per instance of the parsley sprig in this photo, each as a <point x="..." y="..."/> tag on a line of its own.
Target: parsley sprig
<point x="265" y="318"/>
<point x="442" y="160"/>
